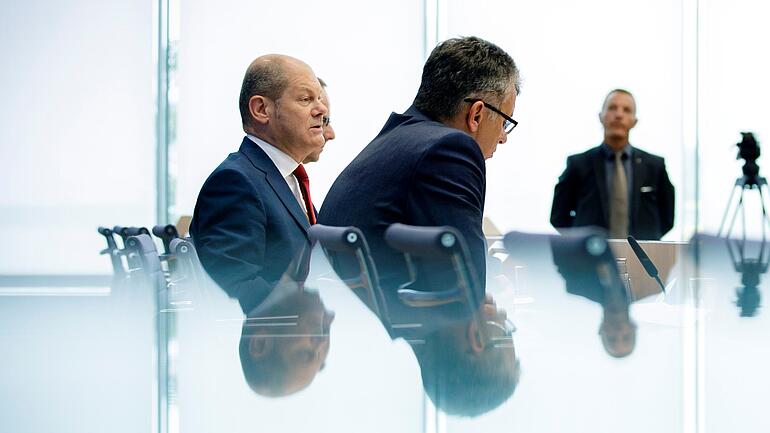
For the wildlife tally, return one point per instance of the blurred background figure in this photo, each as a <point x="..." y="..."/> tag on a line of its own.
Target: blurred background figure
<point x="615" y="185"/>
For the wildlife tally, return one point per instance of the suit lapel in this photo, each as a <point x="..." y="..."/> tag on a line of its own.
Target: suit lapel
<point x="262" y="162"/>
<point x="600" y="176"/>
<point x="283" y="192"/>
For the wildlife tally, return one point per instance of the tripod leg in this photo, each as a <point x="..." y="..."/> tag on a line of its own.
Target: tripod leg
<point x="737" y="209"/>
<point x="743" y="220"/>
<point x="727" y="211"/>
<point x="765" y="219"/>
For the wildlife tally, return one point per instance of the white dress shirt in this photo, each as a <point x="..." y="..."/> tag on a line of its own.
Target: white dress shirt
<point x="285" y="165"/>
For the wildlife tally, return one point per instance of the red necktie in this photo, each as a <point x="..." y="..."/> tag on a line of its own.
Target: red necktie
<point x="304" y="188"/>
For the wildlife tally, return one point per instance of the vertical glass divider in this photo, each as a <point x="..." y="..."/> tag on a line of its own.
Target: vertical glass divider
<point x="164" y="319"/>
<point x="161" y="121"/>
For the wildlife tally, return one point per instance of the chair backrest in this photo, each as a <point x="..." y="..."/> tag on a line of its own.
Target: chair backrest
<point x="187" y="267"/>
<point x="114" y="252"/>
<point x="583" y="257"/>
<point x="435" y="243"/>
<point x="166" y="233"/>
<point x="144" y="261"/>
<point x="349" y="254"/>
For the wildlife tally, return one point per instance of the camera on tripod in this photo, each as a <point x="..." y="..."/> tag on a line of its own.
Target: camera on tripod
<point x="748" y="150"/>
<point x="750" y="268"/>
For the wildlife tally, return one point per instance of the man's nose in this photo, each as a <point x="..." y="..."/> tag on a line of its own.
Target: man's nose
<point x="318" y="342"/>
<point x="329" y="132"/>
<point x="320" y="109"/>
<point x="503" y="138"/>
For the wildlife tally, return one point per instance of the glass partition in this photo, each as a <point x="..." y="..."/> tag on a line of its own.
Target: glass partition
<point x="731" y="62"/>
<point x="731" y="69"/>
<point x="162" y="348"/>
<point x="569" y="60"/>
<point x="76" y="131"/>
<point x="76" y="127"/>
<point x="370" y="69"/>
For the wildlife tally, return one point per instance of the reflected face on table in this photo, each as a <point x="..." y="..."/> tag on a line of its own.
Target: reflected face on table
<point x="618" y="334"/>
<point x="287" y="347"/>
<point x="470" y="368"/>
<point x="305" y="354"/>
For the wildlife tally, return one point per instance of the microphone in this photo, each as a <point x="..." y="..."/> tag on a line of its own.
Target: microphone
<point x="652" y="271"/>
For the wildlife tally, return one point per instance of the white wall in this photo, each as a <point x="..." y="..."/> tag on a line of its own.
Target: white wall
<point x="569" y="59"/>
<point x="76" y="130"/>
<point x="734" y="61"/>
<point x="369" y="54"/>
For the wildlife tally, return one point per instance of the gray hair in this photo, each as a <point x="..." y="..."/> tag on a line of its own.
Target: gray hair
<point x="465" y="67"/>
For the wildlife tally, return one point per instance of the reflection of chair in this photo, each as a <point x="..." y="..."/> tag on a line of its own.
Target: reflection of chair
<point x="141" y="250"/>
<point x="582" y="256"/>
<point x="435" y="243"/>
<point x="349" y="255"/>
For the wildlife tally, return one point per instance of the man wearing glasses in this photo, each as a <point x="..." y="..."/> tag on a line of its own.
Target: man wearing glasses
<point x="614" y="185"/>
<point x="427" y="168"/>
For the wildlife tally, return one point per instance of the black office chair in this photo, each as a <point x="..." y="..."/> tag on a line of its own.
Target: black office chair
<point x="115" y="253"/>
<point x="127" y="232"/>
<point x="187" y="266"/>
<point x="144" y="262"/>
<point x="125" y="259"/>
<point x="443" y="243"/>
<point x="166" y="233"/>
<point x="349" y="254"/>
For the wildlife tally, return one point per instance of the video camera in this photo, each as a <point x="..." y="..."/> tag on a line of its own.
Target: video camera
<point x="748" y="150"/>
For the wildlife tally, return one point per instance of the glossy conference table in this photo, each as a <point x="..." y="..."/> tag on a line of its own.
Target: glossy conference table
<point x="698" y="360"/>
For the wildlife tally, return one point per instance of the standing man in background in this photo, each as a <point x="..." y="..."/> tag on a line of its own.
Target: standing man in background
<point x="615" y="185"/>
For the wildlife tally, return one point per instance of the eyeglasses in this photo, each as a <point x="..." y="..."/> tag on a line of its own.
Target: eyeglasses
<point x="508" y="123"/>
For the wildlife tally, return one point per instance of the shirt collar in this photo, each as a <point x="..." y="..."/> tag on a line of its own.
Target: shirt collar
<point x="285" y="163"/>
<point x="610" y="154"/>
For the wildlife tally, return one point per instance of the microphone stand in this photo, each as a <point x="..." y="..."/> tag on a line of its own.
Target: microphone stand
<point x="646" y="262"/>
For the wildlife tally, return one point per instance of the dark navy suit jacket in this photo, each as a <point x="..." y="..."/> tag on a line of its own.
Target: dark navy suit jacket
<point x="419" y="172"/>
<point x="581" y="198"/>
<point x="247" y="225"/>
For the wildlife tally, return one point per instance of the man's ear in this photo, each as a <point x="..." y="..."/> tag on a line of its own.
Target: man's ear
<point x="474" y="116"/>
<point x="475" y="339"/>
<point x="260" y="109"/>
<point x="259" y="346"/>
<point x="636" y="119"/>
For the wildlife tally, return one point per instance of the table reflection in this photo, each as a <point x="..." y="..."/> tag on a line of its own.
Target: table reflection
<point x="285" y="341"/>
